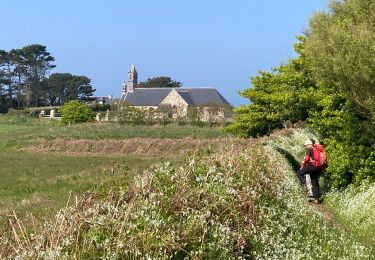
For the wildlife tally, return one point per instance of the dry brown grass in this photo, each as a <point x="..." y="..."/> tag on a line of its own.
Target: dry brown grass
<point x="149" y="147"/>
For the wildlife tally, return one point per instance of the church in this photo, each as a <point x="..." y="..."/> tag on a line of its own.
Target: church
<point x="179" y="99"/>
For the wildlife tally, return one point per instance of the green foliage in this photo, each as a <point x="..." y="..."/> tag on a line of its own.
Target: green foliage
<point x="340" y="50"/>
<point x="24" y="80"/>
<point x="340" y="45"/>
<point x="4" y="104"/>
<point x="75" y="112"/>
<point x="346" y="136"/>
<point x="160" y="82"/>
<point x="330" y="84"/>
<point x="32" y="62"/>
<point x="286" y="94"/>
<point x="63" y="87"/>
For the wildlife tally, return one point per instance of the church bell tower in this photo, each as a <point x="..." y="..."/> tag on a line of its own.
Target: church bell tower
<point x="132" y="78"/>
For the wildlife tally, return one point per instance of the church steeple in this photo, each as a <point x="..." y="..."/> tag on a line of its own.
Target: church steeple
<point x="132" y="78"/>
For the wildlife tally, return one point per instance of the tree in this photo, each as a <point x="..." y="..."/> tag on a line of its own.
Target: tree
<point x="55" y="87"/>
<point x="24" y="80"/>
<point x="6" y="73"/>
<point x="63" y="87"/>
<point x="36" y="62"/>
<point x="79" y="87"/>
<point x="160" y="82"/>
<point x="75" y="112"/>
<point x="341" y="47"/>
<point x="285" y="94"/>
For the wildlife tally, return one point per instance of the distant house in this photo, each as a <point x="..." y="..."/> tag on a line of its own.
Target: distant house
<point x="103" y="100"/>
<point x="211" y="104"/>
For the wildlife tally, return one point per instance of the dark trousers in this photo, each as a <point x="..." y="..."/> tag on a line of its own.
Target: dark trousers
<point x="314" y="175"/>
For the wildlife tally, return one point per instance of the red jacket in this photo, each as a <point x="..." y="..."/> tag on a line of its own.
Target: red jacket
<point x="308" y="157"/>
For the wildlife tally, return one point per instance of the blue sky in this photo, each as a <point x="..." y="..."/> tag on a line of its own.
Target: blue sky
<point x="201" y="43"/>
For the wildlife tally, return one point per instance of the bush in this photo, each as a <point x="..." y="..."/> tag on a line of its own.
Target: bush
<point x="347" y="138"/>
<point x="75" y="112"/>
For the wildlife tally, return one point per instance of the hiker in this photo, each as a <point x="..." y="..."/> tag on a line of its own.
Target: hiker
<point x="307" y="167"/>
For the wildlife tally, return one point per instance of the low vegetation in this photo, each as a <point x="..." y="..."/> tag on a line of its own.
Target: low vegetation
<point x="355" y="208"/>
<point x="228" y="205"/>
<point x="36" y="185"/>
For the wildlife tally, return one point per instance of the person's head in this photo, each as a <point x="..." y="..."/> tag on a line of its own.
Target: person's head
<point x="308" y="143"/>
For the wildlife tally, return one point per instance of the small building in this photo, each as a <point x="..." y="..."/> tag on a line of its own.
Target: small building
<point x="211" y="104"/>
<point x="101" y="100"/>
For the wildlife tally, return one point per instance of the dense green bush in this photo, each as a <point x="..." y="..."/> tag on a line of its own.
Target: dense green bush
<point x="347" y="138"/>
<point x="75" y="112"/>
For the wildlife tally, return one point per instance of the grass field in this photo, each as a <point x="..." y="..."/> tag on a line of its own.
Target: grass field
<point x="229" y="204"/>
<point x="237" y="200"/>
<point x="41" y="183"/>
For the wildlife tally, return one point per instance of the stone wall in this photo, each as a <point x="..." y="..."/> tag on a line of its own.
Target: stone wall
<point x="177" y="103"/>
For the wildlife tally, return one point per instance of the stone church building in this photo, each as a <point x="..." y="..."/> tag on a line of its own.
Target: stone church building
<point x="208" y="100"/>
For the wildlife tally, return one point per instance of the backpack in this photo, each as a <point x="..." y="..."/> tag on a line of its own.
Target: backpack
<point x="320" y="157"/>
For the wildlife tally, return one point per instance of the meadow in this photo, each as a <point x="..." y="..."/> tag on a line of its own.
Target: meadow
<point x="37" y="185"/>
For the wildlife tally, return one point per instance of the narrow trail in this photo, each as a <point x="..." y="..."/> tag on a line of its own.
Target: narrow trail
<point x="329" y="216"/>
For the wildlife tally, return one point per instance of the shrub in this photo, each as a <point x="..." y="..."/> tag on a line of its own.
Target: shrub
<point x="75" y="112"/>
<point x="128" y="114"/>
<point x="347" y="138"/>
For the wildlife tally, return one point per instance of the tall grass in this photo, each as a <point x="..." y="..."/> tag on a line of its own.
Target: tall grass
<point x="227" y="205"/>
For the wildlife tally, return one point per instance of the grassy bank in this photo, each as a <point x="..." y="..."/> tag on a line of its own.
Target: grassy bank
<point x="227" y="205"/>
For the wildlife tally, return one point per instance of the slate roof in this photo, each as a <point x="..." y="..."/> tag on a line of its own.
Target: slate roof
<point x="202" y="96"/>
<point x="147" y="96"/>
<point x="193" y="96"/>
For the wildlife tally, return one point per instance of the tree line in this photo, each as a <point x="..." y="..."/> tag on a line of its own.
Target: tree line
<point x="330" y="85"/>
<point x="25" y="80"/>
